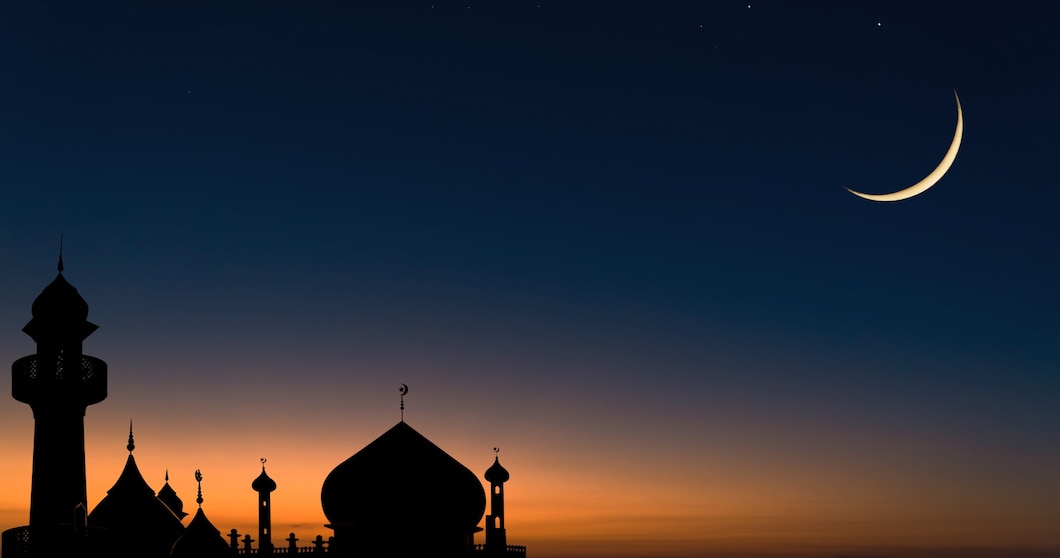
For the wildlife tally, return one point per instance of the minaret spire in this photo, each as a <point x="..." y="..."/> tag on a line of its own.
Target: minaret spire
<point x="198" y="479"/>
<point x="131" y="446"/>
<point x="496" y="535"/>
<point x="263" y="485"/>
<point x="58" y="382"/>
<point x="60" y="252"/>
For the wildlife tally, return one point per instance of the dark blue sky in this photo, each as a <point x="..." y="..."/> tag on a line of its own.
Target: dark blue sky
<point x="566" y="194"/>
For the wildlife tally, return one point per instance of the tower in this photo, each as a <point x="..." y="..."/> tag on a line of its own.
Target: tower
<point x="59" y="382"/>
<point x="496" y="537"/>
<point x="264" y="486"/>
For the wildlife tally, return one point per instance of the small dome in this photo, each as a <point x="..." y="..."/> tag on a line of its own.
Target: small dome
<point x="402" y="477"/>
<point x="496" y="474"/>
<point x="60" y="312"/>
<point x="263" y="483"/>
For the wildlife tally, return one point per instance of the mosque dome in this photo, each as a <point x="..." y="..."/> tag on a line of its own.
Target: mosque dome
<point x="496" y="474"/>
<point x="59" y="311"/>
<point x="403" y="478"/>
<point x="263" y="483"/>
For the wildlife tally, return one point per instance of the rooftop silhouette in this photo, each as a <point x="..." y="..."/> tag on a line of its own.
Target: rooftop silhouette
<point x="401" y="496"/>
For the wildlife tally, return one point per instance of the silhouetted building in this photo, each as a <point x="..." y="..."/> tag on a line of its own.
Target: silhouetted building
<point x="144" y="525"/>
<point x="400" y="496"/>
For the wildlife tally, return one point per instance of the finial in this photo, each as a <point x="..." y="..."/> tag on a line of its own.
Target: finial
<point x="497" y="451"/>
<point x="404" y="390"/>
<point x="198" y="479"/>
<point x="131" y="446"/>
<point x="60" y="252"/>
<point x="167" y="475"/>
<point x="263" y="460"/>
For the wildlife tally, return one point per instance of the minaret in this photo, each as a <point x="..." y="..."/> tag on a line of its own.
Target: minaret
<point x="59" y="383"/>
<point x="264" y="486"/>
<point x="496" y="539"/>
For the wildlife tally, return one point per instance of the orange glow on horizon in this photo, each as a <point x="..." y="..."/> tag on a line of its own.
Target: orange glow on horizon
<point x="594" y="501"/>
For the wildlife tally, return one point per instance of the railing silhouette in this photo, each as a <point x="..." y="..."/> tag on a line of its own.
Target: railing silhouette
<point x="285" y="550"/>
<point x="513" y="551"/>
<point x="320" y="546"/>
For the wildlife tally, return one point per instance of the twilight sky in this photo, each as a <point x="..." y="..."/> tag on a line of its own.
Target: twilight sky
<point x="610" y="238"/>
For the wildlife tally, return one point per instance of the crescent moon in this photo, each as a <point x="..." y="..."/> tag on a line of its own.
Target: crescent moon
<point x="403" y="389"/>
<point x="936" y="175"/>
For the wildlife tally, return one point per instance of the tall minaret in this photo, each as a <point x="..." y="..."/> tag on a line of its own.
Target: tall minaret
<point x="264" y="486"/>
<point x="496" y="539"/>
<point x="59" y="383"/>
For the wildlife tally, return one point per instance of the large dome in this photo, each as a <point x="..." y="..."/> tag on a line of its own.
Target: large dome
<point x="402" y="477"/>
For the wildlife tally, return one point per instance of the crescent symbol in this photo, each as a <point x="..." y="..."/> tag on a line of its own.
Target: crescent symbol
<point x="929" y="180"/>
<point x="403" y="389"/>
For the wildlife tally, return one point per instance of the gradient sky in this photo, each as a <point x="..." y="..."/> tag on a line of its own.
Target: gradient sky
<point x="610" y="238"/>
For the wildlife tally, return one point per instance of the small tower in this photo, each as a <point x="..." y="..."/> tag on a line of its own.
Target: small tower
<point x="264" y="486"/>
<point x="59" y="383"/>
<point x="496" y="537"/>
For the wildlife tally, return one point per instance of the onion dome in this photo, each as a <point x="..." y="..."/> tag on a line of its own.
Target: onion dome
<point x="59" y="314"/>
<point x="496" y="474"/>
<point x="131" y="510"/>
<point x="170" y="499"/>
<point x="263" y="483"/>
<point x="403" y="479"/>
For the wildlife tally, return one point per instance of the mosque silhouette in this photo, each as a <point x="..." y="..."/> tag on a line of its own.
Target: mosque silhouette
<point x="400" y="496"/>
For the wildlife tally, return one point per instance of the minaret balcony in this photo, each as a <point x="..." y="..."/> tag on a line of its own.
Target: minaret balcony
<point x="33" y="380"/>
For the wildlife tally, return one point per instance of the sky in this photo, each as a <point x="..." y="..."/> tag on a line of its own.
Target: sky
<point x="611" y="239"/>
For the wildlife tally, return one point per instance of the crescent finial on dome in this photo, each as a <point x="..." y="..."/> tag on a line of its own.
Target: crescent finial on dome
<point x="403" y="390"/>
<point x="131" y="445"/>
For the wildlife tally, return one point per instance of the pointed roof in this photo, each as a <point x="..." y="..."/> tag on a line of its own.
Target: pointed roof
<point x="171" y="500"/>
<point x="201" y="540"/>
<point x="132" y="509"/>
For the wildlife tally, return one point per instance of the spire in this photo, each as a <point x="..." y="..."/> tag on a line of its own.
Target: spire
<point x="131" y="446"/>
<point x="403" y="390"/>
<point x="60" y="252"/>
<point x="198" y="479"/>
